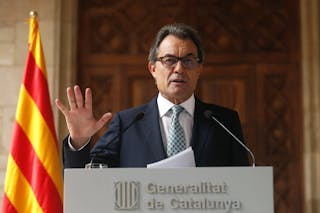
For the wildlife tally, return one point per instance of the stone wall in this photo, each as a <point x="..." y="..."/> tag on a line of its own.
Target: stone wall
<point x="310" y="46"/>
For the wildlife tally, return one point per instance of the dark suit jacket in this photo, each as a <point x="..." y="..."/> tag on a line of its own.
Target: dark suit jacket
<point x="142" y="144"/>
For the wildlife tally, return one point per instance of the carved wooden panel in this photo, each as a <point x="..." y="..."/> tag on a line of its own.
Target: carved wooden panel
<point x="245" y="26"/>
<point x="141" y="86"/>
<point x="279" y="106"/>
<point x="251" y="64"/>
<point x="231" y="86"/>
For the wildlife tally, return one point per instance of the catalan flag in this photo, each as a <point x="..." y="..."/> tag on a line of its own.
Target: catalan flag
<point x="33" y="181"/>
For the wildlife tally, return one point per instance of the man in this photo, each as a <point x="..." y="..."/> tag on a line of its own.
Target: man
<point x="143" y="135"/>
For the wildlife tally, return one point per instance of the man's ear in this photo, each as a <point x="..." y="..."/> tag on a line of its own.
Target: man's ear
<point x="152" y="68"/>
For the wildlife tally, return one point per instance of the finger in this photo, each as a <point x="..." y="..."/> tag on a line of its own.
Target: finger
<point x="61" y="107"/>
<point x="78" y="96"/>
<point x="103" y="120"/>
<point x="71" y="99"/>
<point x="88" y="99"/>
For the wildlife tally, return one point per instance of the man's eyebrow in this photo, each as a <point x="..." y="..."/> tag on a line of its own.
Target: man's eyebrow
<point x="170" y="55"/>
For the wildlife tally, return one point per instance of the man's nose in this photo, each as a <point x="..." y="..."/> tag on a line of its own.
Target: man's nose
<point x="179" y="67"/>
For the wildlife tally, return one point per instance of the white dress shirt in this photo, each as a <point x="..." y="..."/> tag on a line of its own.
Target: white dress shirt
<point x="185" y="118"/>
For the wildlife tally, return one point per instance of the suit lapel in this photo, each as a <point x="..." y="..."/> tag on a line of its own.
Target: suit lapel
<point x="152" y="133"/>
<point x="200" y="129"/>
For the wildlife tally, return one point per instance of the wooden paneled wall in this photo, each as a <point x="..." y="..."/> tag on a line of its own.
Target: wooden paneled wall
<point x="252" y="64"/>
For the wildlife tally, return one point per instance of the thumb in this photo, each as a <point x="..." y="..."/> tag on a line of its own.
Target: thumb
<point x="105" y="118"/>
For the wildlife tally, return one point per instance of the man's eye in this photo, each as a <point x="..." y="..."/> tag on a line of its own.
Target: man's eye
<point x="170" y="61"/>
<point x="187" y="61"/>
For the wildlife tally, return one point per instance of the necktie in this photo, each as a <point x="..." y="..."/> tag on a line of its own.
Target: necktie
<point x="176" y="140"/>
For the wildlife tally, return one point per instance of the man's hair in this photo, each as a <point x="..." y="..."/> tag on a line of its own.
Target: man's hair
<point x="181" y="31"/>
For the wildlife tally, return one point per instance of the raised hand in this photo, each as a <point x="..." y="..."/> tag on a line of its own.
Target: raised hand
<point x="80" y="120"/>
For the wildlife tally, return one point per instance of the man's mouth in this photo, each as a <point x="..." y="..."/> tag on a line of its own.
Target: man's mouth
<point x="178" y="81"/>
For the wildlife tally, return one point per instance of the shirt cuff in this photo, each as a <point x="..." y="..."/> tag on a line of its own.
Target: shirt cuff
<point x="74" y="149"/>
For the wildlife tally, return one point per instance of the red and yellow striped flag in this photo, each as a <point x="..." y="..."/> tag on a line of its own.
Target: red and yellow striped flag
<point x="33" y="180"/>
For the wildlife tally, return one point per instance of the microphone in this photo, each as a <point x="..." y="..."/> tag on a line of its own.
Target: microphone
<point x="97" y="153"/>
<point x="208" y="114"/>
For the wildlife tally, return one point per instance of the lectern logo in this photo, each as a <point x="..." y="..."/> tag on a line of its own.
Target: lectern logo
<point x="127" y="195"/>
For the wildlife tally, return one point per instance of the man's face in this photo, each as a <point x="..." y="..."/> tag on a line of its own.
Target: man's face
<point x="176" y="83"/>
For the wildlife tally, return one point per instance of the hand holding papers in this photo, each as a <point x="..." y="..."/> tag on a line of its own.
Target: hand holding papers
<point x="182" y="159"/>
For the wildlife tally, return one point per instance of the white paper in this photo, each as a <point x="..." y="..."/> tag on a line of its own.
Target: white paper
<point x="182" y="159"/>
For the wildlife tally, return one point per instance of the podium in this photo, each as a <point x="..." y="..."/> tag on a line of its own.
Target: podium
<point x="204" y="189"/>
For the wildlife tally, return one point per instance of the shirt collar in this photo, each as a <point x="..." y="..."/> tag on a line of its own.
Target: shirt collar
<point x="165" y="105"/>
